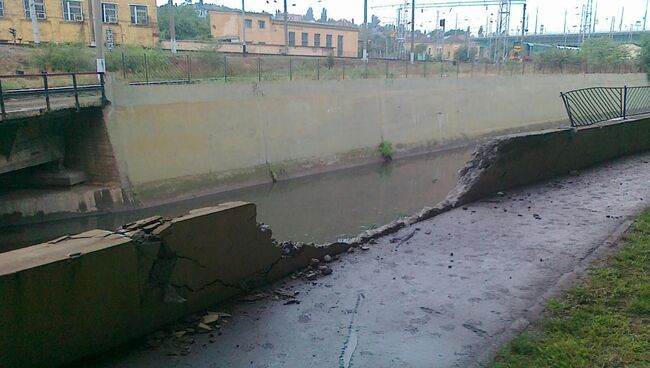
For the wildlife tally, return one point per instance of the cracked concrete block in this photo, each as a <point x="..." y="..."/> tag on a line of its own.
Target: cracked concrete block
<point x="67" y="300"/>
<point x="220" y="251"/>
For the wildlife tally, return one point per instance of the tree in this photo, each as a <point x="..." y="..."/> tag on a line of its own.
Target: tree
<point x="309" y="16"/>
<point x="323" y="16"/>
<point x="644" y="56"/>
<point x="601" y="51"/>
<point x="189" y="25"/>
<point x="461" y="54"/>
<point x="374" y="21"/>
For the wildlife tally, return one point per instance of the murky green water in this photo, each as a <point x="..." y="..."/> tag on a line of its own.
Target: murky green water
<point x="317" y="208"/>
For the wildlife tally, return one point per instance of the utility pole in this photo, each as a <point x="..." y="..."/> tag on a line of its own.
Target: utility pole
<point x="595" y="20"/>
<point x="412" y="31"/>
<point x="99" y="39"/>
<point x="523" y="35"/>
<point x="611" y="28"/>
<point x="36" y="35"/>
<point x="620" y="25"/>
<point x="172" y="27"/>
<point x="565" y="35"/>
<point x="365" y="30"/>
<point x="91" y="22"/>
<point x="243" y="27"/>
<point x="286" y="29"/>
<point x="645" y="16"/>
<point x="536" y="18"/>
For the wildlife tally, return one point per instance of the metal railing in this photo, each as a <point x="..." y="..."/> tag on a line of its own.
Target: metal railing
<point x="590" y="106"/>
<point x="27" y="92"/>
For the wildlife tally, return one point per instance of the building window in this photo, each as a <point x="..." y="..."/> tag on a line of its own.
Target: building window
<point x="248" y="23"/>
<point x="38" y="6"/>
<point x="139" y="14"/>
<point x="339" y="46"/>
<point x="292" y="38"/>
<point x="316" y="39"/>
<point x="328" y="41"/>
<point x="2" y="9"/>
<point x="305" y="39"/>
<point x="261" y="24"/>
<point x="109" y="13"/>
<point x="72" y="11"/>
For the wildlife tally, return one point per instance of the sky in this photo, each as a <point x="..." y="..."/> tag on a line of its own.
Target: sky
<point x="550" y="12"/>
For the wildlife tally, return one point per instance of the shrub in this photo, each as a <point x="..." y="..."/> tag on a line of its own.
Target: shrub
<point x="386" y="150"/>
<point x="64" y="58"/>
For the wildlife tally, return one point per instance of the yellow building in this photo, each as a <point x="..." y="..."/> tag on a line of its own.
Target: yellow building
<point x="124" y="22"/>
<point x="265" y="35"/>
<point x="446" y="50"/>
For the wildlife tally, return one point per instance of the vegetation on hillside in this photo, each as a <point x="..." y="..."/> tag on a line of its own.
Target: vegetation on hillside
<point x="602" y="322"/>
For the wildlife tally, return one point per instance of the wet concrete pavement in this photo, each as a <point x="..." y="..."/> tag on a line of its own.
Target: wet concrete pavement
<point x="442" y="298"/>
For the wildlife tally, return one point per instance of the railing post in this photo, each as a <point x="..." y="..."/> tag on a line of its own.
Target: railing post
<point x="290" y="69"/>
<point x="189" y="69"/>
<point x="259" y="69"/>
<point x="366" y="70"/>
<point x="457" y="69"/>
<point x="568" y="109"/>
<point x="46" y="90"/>
<point x="123" y="65"/>
<point x="442" y="68"/>
<point x="523" y="67"/>
<point x="343" y="62"/>
<point x="76" y="92"/>
<point x="406" y="70"/>
<point x="225" y="69"/>
<point x="146" y="69"/>
<point x="317" y="69"/>
<point x="3" y="112"/>
<point x="102" y="83"/>
<point x="624" y="102"/>
<point x="424" y="69"/>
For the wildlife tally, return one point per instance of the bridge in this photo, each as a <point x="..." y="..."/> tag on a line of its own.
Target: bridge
<point x="571" y="39"/>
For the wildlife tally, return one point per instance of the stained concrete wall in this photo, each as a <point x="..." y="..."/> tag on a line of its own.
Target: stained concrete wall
<point x="514" y="160"/>
<point x="83" y="294"/>
<point x="173" y="138"/>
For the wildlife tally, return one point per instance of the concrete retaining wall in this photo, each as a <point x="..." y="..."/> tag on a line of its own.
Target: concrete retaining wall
<point x="174" y="138"/>
<point x="86" y="293"/>
<point x="83" y="294"/>
<point x="519" y="159"/>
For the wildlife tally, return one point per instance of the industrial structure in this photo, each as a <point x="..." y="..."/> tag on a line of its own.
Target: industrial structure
<point x="58" y="21"/>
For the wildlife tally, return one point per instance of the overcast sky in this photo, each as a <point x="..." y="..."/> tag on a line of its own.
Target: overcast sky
<point x="551" y="12"/>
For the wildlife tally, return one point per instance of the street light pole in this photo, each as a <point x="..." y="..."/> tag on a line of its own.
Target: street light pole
<point x="645" y="16"/>
<point x="412" y="31"/>
<point x="286" y="29"/>
<point x="99" y="38"/>
<point x="172" y="27"/>
<point x="243" y="24"/>
<point x="365" y="30"/>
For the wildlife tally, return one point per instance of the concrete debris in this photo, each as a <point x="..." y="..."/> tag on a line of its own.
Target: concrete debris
<point x="327" y="258"/>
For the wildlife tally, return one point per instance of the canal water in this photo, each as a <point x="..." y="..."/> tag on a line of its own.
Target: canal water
<point x="318" y="208"/>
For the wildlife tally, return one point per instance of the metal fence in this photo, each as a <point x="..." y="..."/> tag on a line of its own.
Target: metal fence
<point x="589" y="106"/>
<point x="156" y="67"/>
<point x="29" y="94"/>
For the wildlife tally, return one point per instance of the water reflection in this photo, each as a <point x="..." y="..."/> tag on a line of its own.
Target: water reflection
<point x="317" y="208"/>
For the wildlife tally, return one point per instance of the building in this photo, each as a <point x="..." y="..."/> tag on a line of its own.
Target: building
<point x="59" y="21"/>
<point x="435" y="48"/>
<point x="265" y="35"/>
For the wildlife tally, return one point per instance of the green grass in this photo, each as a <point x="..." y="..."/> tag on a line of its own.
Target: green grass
<point x="602" y="322"/>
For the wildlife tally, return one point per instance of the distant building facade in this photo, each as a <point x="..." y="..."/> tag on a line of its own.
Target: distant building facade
<point x="446" y="50"/>
<point x="124" y="22"/>
<point x="265" y="35"/>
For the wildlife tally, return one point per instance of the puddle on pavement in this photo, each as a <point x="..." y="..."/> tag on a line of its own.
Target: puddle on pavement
<point x="317" y="208"/>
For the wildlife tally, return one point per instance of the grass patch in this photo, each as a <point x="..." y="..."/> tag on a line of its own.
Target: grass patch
<point x="602" y="322"/>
